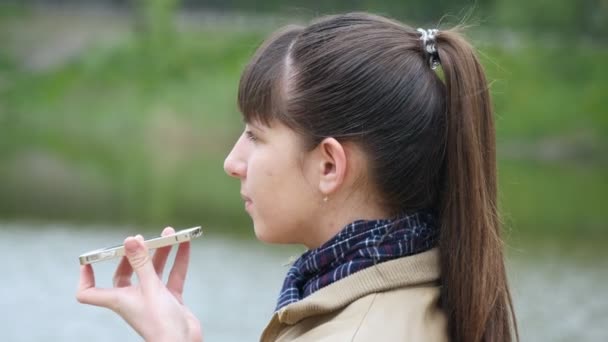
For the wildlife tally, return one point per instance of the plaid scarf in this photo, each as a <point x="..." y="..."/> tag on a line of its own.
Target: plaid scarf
<point x="357" y="246"/>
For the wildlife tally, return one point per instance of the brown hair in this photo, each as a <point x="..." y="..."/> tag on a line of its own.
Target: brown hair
<point x="430" y="142"/>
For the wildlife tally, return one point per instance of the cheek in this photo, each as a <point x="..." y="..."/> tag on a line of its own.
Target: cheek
<point x="259" y="170"/>
<point x="282" y="202"/>
<point x="270" y="182"/>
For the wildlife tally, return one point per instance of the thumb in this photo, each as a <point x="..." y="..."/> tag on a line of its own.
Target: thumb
<point x="139" y="258"/>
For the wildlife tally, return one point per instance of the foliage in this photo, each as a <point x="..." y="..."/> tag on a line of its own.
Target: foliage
<point x="118" y="136"/>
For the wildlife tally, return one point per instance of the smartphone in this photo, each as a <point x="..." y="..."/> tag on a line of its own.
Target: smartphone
<point x="161" y="241"/>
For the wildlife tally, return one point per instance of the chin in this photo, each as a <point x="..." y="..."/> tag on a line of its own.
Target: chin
<point x="263" y="234"/>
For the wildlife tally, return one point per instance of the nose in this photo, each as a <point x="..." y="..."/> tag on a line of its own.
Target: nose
<point x="235" y="165"/>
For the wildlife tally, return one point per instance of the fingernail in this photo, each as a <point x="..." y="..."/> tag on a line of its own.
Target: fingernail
<point x="131" y="245"/>
<point x="167" y="231"/>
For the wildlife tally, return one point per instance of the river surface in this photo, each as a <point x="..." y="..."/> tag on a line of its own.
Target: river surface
<point x="232" y="287"/>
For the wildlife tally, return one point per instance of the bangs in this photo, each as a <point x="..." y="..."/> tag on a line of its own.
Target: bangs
<point x="261" y="95"/>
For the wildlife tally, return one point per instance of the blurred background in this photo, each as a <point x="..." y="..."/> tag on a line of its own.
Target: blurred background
<point x="116" y="115"/>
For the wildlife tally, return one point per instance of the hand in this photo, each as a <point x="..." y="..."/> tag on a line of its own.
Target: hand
<point x="155" y="311"/>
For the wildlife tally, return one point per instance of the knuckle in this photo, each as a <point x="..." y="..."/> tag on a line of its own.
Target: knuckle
<point x="138" y="260"/>
<point x="80" y="297"/>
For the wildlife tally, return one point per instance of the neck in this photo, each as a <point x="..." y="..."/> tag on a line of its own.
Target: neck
<point x="336" y="213"/>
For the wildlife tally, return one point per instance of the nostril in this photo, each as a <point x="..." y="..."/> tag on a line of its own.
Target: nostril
<point x="234" y="168"/>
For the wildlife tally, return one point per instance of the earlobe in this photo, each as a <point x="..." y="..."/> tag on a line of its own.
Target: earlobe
<point x="332" y="168"/>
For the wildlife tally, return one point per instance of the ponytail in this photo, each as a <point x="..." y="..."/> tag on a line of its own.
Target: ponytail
<point x="360" y="77"/>
<point x="475" y="295"/>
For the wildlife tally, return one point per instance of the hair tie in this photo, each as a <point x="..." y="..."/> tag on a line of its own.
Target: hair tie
<point x="429" y="46"/>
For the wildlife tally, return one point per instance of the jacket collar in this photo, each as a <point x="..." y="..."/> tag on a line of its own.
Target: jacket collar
<point x="359" y="245"/>
<point x="402" y="272"/>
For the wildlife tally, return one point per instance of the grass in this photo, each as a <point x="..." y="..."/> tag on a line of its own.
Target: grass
<point x="544" y="91"/>
<point x="560" y="200"/>
<point x="154" y="130"/>
<point x="134" y="133"/>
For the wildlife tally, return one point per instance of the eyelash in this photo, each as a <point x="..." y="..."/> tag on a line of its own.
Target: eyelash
<point x="250" y="136"/>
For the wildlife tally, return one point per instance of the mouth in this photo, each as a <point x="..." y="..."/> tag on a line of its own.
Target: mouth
<point x="247" y="200"/>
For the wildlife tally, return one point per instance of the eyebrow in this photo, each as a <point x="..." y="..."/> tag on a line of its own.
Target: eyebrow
<point x="256" y="126"/>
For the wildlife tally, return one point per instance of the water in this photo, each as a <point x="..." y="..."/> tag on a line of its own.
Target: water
<point x="232" y="287"/>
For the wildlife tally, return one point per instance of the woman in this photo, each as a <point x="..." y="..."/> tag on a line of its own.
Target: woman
<point x="357" y="147"/>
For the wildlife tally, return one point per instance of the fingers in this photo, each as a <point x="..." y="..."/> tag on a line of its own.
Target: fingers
<point x="87" y="278"/>
<point x="89" y="294"/>
<point x="159" y="259"/>
<point x="124" y="271"/>
<point x="138" y="257"/>
<point x="177" y="277"/>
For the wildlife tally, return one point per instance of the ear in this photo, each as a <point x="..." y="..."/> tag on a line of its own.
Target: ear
<point x="332" y="165"/>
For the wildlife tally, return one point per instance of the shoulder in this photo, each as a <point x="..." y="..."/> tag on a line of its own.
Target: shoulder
<point x="406" y="314"/>
<point x="394" y="300"/>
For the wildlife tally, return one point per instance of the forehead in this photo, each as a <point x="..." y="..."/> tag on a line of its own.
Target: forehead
<point x="256" y="124"/>
<point x="277" y="133"/>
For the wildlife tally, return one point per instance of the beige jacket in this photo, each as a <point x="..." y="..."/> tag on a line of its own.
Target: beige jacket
<point x="395" y="300"/>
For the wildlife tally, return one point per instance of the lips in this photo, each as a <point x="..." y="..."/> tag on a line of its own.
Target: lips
<point x="247" y="200"/>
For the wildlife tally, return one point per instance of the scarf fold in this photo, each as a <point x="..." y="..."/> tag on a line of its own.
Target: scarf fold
<point x="358" y="245"/>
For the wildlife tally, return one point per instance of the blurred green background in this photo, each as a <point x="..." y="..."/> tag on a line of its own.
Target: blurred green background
<point x="122" y="111"/>
<point x="116" y="116"/>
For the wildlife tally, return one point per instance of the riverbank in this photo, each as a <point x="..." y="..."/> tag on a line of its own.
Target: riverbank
<point x="98" y="125"/>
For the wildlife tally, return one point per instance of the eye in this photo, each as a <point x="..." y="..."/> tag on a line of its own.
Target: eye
<point x="251" y="136"/>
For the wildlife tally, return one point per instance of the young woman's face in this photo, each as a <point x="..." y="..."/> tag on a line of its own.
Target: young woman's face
<point x="279" y="193"/>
